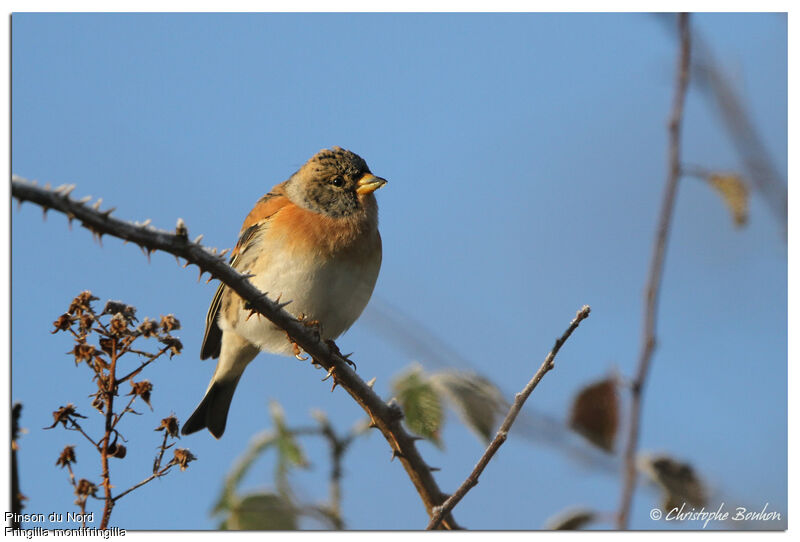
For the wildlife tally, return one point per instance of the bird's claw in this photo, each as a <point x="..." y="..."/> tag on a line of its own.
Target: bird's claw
<point x="335" y="350"/>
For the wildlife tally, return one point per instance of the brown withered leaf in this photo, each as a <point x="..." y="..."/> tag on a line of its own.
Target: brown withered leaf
<point x="117" y="450"/>
<point x="734" y="193"/>
<point x="66" y="457"/>
<point x="595" y="413"/>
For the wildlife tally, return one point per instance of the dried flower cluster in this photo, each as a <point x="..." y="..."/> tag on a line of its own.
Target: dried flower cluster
<point x="101" y="341"/>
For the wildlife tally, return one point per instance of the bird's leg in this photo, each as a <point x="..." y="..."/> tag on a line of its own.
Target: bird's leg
<point x="295" y="348"/>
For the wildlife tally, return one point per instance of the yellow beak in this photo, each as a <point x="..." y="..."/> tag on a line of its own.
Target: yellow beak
<point x="369" y="183"/>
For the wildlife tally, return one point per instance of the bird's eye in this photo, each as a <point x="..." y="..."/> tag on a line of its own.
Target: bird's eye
<point x="338" y="182"/>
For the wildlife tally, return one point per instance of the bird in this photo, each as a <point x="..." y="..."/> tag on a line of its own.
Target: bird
<point x="312" y="240"/>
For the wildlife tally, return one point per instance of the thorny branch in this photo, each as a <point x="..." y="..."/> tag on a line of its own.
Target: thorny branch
<point x="656" y="270"/>
<point x="386" y="417"/>
<point x="502" y="433"/>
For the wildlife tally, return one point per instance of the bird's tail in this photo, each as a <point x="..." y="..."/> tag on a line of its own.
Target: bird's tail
<point x="212" y="412"/>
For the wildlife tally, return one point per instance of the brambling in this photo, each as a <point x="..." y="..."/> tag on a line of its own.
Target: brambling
<point x="312" y="240"/>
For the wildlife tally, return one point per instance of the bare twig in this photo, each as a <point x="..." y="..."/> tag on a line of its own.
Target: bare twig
<point x="157" y="474"/>
<point x="502" y="433"/>
<point x="16" y="495"/>
<point x="716" y="85"/>
<point x="656" y="270"/>
<point x="386" y="417"/>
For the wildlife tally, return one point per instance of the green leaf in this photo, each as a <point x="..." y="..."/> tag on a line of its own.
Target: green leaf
<point x="477" y="401"/>
<point x="262" y="512"/>
<point x="258" y="445"/>
<point x="289" y="451"/>
<point x="571" y="520"/>
<point x="421" y="404"/>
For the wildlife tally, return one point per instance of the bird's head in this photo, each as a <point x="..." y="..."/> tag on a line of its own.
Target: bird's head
<point x="334" y="182"/>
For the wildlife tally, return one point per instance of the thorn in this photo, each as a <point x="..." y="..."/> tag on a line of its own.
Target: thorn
<point x="85" y="199"/>
<point x="181" y="230"/>
<point x="44" y="213"/>
<point x="282" y="305"/>
<point x="46" y="185"/>
<point x="68" y="190"/>
<point x="187" y="265"/>
<point x="224" y="252"/>
<point x="198" y="239"/>
<point x="201" y="275"/>
<point x="415" y="438"/>
<point x="146" y="223"/>
<point x="434" y="469"/>
<point x="149" y="251"/>
<point x="210" y="277"/>
<point x="396" y="453"/>
<point x="96" y="205"/>
<point x="371" y="382"/>
<point x="335" y="383"/>
<point x="108" y="211"/>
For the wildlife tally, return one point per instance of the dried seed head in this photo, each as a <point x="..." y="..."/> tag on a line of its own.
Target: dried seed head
<point x="83" y="352"/>
<point x="67" y="456"/>
<point x="170" y="425"/>
<point x="169" y="323"/>
<point x="175" y="345"/>
<point x="65" y="414"/>
<point x="98" y="402"/>
<point x="108" y="345"/>
<point x="118" y="324"/>
<point x="114" y="307"/>
<point x="63" y="323"/>
<point x="142" y="389"/>
<point x="85" y="488"/>
<point x="86" y="321"/>
<point x="148" y="328"/>
<point x="183" y="457"/>
<point x="82" y="303"/>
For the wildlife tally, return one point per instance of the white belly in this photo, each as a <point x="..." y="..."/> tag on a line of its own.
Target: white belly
<point x="332" y="292"/>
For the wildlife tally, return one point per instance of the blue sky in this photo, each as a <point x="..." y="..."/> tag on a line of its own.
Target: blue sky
<point x="526" y="155"/>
